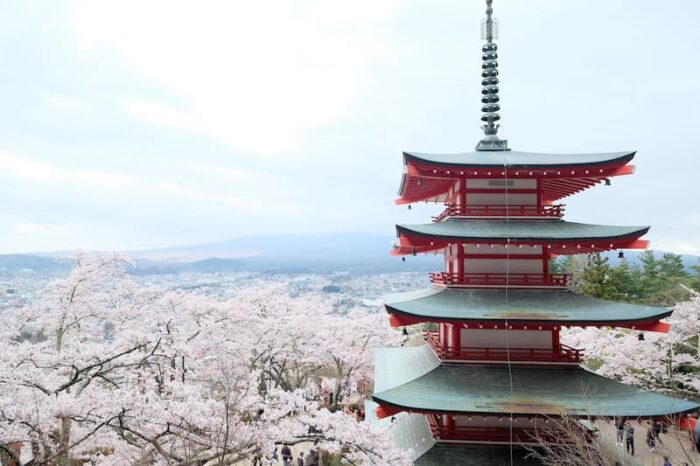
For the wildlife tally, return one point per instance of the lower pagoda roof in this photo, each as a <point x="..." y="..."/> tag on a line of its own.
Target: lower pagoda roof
<point x="413" y="379"/>
<point x="411" y="433"/>
<point x="517" y="306"/>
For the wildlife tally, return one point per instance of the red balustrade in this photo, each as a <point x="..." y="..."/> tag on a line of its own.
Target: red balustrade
<point x="488" y="210"/>
<point x="481" y="434"/>
<point x="562" y="354"/>
<point x="501" y="279"/>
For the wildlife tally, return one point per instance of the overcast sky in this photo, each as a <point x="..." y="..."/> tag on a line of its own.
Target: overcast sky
<point x="137" y="124"/>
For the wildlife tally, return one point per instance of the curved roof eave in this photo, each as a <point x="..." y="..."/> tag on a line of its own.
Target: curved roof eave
<point x="534" y="230"/>
<point x="524" y="306"/>
<point x="519" y="159"/>
<point x="462" y="388"/>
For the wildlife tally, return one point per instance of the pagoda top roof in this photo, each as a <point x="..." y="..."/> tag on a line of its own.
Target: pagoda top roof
<point x="584" y="237"/>
<point x="518" y="306"/>
<point x="474" y="455"/>
<point x="429" y="177"/>
<point x="413" y="379"/>
<point x="517" y="159"/>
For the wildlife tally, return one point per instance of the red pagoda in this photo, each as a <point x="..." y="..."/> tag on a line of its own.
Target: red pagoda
<point x="494" y="370"/>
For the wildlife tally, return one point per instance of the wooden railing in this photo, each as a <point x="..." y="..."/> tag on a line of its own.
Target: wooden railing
<point x="547" y="211"/>
<point x="481" y="434"/>
<point x="496" y="434"/>
<point x="501" y="279"/>
<point x="562" y="354"/>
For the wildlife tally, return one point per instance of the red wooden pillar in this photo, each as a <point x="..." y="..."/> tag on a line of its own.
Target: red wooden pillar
<point x="460" y="259"/>
<point x="448" y="423"/>
<point x="555" y="340"/>
<point x="456" y="336"/>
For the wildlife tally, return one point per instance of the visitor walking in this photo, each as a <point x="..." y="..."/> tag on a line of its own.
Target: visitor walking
<point x="651" y="438"/>
<point x="300" y="459"/>
<point x="311" y="458"/>
<point x="658" y="428"/>
<point x="620" y="430"/>
<point x="272" y="457"/>
<point x="629" y="439"/>
<point x="287" y="456"/>
<point x="667" y="462"/>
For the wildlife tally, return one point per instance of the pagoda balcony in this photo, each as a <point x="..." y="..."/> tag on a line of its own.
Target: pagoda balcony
<point x="545" y="211"/>
<point x="508" y="280"/>
<point x="466" y="434"/>
<point x="563" y="354"/>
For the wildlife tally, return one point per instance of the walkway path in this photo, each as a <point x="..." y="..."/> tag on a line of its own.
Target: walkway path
<point x="676" y="445"/>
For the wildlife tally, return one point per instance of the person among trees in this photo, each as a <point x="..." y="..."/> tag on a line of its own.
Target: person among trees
<point x="287" y="456"/>
<point x="272" y="457"/>
<point x="629" y="439"/>
<point x="667" y="462"/>
<point x="300" y="459"/>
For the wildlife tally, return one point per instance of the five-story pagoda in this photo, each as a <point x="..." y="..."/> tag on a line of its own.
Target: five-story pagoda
<point x="494" y="369"/>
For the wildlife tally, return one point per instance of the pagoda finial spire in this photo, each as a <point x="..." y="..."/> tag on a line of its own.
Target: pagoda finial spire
<point x="489" y="83"/>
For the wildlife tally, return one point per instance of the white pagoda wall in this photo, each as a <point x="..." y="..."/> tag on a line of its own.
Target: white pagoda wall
<point x="491" y="338"/>
<point x="501" y="199"/>
<point x="503" y="266"/>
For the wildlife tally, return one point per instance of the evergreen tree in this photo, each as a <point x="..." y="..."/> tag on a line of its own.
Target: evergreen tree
<point x="650" y="267"/>
<point x="625" y="279"/>
<point x="596" y="278"/>
<point x="670" y="266"/>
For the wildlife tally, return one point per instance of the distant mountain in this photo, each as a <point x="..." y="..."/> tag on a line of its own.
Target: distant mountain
<point x="17" y="262"/>
<point x="287" y="253"/>
<point x="633" y="256"/>
<point x="360" y="252"/>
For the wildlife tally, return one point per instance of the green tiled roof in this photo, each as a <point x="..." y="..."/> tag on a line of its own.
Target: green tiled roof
<point x="464" y="388"/>
<point x="527" y="230"/>
<point x="409" y="432"/>
<point x="465" y="455"/>
<point x="520" y="159"/>
<point x="441" y="303"/>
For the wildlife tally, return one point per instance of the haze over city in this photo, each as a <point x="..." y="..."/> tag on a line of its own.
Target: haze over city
<point x="129" y="125"/>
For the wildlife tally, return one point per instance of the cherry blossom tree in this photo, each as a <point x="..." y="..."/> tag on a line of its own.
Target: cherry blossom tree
<point x="100" y="369"/>
<point x="655" y="360"/>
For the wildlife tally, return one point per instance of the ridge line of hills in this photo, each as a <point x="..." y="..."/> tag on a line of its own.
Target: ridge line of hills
<point x="297" y="253"/>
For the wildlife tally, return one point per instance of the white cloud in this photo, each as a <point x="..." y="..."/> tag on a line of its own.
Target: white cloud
<point x="65" y="103"/>
<point x="13" y="166"/>
<point x="256" y="75"/>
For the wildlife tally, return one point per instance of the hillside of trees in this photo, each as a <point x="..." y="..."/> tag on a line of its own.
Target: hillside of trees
<point x="655" y="281"/>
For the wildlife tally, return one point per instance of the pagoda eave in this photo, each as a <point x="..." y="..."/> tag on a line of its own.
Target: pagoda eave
<point x="413" y="239"/>
<point x="531" y="308"/>
<point x="428" y="178"/>
<point x="400" y="319"/>
<point x="419" y="382"/>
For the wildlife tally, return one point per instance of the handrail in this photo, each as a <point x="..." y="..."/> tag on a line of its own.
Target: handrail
<point x="500" y="279"/>
<point x="564" y="353"/>
<point x="489" y="210"/>
<point x="489" y="433"/>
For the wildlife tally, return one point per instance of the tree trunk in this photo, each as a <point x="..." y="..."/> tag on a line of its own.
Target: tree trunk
<point x="63" y="457"/>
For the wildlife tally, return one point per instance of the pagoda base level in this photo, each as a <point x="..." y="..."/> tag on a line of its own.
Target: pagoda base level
<point x="468" y="455"/>
<point x="495" y="430"/>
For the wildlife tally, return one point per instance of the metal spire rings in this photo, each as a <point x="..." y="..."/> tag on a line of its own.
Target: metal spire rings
<point x="489" y="84"/>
